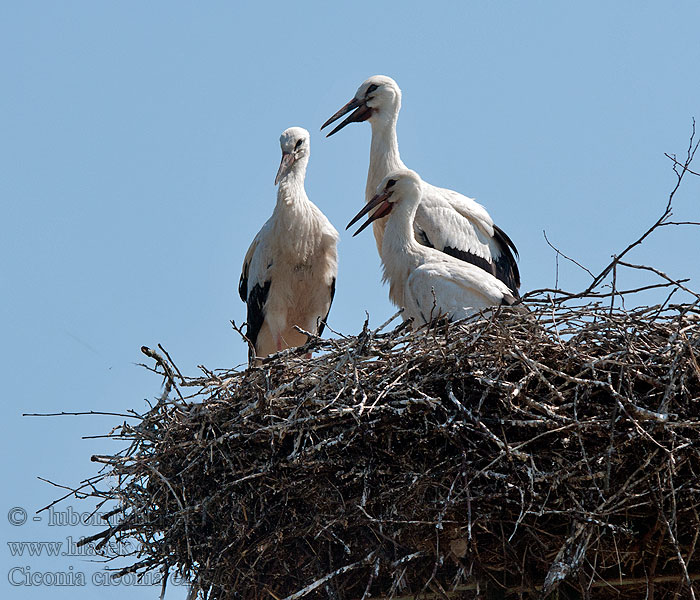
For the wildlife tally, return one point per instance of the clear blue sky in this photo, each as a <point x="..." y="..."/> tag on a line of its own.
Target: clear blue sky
<point x="138" y="149"/>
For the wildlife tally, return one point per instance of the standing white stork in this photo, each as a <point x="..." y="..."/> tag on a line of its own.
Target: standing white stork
<point x="426" y="283"/>
<point x="445" y="219"/>
<point x="289" y="271"/>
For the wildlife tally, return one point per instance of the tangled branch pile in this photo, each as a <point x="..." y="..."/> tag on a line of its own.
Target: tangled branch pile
<point x="517" y="454"/>
<point x="514" y="456"/>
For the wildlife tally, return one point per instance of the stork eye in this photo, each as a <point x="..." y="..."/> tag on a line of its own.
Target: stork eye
<point x="390" y="183"/>
<point x="371" y="88"/>
<point x="298" y="144"/>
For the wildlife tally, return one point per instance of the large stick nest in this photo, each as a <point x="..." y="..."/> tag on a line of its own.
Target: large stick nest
<point x="516" y="453"/>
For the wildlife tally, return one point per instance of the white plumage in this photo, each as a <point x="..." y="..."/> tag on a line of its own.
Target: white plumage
<point x="445" y="219"/>
<point x="426" y="283"/>
<point x="289" y="271"/>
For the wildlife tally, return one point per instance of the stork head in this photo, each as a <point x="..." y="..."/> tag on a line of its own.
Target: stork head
<point x="378" y="99"/>
<point x="295" y="150"/>
<point x="402" y="186"/>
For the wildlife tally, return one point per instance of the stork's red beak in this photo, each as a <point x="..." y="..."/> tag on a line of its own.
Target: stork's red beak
<point x="285" y="165"/>
<point x="362" y="113"/>
<point x="381" y="202"/>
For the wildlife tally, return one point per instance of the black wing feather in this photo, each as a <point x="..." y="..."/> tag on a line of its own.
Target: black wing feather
<point x="480" y="262"/>
<point x="422" y="237"/>
<point x="506" y="266"/>
<point x="322" y="324"/>
<point x="256" y="310"/>
<point x="243" y="284"/>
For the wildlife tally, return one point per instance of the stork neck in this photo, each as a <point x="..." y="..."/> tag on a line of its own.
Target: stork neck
<point x="399" y="239"/>
<point x="384" y="154"/>
<point x="291" y="187"/>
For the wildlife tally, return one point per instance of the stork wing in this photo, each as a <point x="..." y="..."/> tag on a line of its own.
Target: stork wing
<point x="453" y="290"/>
<point x="461" y="227"/>
<point x="322" y="323"/>
<point x="243" y="281"/>
<point x="506" y="266"/>
<point x="330" y="252"/>
<point x="253" y="286"/>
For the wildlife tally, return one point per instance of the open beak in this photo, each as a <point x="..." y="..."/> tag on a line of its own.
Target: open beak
<point x="381" y="202"/>
<point x="285" y="165"/>
<point x="362" y="113"/>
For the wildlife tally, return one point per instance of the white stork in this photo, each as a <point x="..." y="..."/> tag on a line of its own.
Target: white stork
<point x="289" y="271"/>
<point x="426" y="283"/>
<point x="445" y="219"/>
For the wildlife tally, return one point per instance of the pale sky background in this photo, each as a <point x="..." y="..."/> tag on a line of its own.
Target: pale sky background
<point x="139" y="144"/>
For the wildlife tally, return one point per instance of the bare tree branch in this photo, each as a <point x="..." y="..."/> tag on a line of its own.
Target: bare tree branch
<point x="559" y="252"/>
<point x="692" y="148"/>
